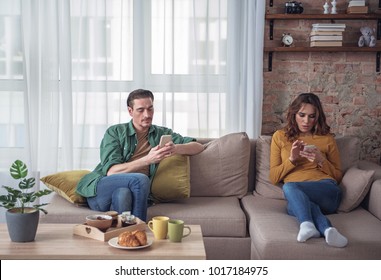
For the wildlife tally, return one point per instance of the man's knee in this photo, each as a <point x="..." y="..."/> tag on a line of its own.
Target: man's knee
<point x="144" y="182"/>
<point x="122" y="193"/>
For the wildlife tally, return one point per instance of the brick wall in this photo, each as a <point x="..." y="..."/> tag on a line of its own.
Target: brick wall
<point x="346" y="82"/>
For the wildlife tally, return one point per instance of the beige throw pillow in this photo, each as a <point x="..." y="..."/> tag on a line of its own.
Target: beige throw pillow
<point x="65" y="184"/>
<point x="263" y="185"/>
<point x="222" y="168"/>
<point x="171" y="180"/>
<point x="355" y="185"/>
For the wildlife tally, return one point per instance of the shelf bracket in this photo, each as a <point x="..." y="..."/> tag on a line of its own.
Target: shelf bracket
<point x="272" y="29"/>
<point x="270" y="61"/>
<point x="378" y="55"/>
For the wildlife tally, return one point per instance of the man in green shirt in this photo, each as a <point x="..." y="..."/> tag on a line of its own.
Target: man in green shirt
<point x="129" y="156"/>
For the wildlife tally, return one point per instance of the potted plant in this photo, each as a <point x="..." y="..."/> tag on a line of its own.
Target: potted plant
<point x="22" y="215"/>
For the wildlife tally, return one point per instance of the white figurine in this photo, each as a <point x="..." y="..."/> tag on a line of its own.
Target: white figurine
<point x="326" y="8"/>
<point x="333" y="10"/>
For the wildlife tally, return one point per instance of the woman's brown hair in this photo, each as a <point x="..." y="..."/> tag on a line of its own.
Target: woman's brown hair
<point x="320" y="128"/>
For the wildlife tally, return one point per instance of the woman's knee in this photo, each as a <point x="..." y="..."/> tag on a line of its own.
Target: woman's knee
<point x="289" y="188"/>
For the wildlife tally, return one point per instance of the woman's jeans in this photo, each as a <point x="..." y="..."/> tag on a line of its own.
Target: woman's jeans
<point x="122" y="192"/>
<point x="311" y="201"/>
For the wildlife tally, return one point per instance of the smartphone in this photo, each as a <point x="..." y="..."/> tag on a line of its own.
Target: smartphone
<point x="164" y="140"/>
<point x="309" y="148"/>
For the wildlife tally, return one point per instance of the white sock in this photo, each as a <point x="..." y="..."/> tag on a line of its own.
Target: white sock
<point x="306" y="231"/>
<point x="334" y="238"/>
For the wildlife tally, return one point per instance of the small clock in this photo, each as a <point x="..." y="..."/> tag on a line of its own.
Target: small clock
<point x="287" y="40"/>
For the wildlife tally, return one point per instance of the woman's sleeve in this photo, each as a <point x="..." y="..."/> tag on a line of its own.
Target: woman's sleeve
<point x="332" y="164"/>
<point x="278" y="168"/>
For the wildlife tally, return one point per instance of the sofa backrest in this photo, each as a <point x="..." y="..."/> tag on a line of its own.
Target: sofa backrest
<point x="258" y="166"/>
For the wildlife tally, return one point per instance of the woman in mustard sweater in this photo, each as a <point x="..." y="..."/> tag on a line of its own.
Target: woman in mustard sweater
<point x="305" y="157"/>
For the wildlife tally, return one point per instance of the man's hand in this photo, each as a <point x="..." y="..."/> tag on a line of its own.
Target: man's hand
<point x="157" y="154"/>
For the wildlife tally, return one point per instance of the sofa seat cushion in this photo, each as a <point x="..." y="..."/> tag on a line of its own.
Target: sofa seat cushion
<point x="273" y="233"/>
<point x="62" y="211"/>
<point x="218" y="216"/>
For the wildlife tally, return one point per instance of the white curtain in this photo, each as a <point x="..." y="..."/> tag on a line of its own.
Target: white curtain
<point x="47" y="76"/>
<point x="245" y="64"/>
<point x="79" y="60"/>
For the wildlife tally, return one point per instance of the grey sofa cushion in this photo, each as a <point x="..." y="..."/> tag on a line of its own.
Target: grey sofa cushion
<point x="264" y="186"/>
<point x="274" y="233"/>
<point x="218" y="216"/>
<point x="222" y="168"/>
<point x="62" y="211"/>
<point x="349" y="148"/>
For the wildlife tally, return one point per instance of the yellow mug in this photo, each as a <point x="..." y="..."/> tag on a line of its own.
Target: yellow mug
<point x="159" y="226"/>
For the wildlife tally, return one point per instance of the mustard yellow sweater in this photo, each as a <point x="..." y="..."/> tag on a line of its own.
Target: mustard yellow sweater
<point x="282" y="170"/>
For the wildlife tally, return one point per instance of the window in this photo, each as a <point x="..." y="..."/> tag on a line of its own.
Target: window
<point x="175" y="48"/>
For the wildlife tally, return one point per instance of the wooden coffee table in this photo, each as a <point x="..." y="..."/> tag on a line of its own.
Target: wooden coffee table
<point x="57" y="242"/>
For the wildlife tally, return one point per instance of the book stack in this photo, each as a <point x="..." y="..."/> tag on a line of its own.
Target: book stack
<point x="357" y="7"/>
<point x="327" y="34"/>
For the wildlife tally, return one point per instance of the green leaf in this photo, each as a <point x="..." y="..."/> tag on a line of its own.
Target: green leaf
<point x="43" y="192"/>
<point x="27" y="183"/>
<point x="18" y="170"/>
<point x="21" y="197"/>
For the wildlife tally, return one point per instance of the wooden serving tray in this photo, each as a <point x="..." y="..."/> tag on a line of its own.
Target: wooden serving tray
<point x="95" y="233"/>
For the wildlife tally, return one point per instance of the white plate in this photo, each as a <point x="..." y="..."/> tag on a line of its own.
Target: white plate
<point x="114" y="243"/>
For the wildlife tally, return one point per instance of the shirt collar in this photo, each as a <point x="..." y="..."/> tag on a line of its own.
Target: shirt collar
<point x="132" y="131"/>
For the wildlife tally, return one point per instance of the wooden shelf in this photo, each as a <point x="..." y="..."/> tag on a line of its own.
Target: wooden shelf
<point x="331" y="17"/>
<point x="322" y="49"/>
<point x="368" y="16"/>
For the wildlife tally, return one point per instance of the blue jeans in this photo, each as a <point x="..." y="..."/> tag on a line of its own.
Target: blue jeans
<point x="122" y="192"/>
<point x="311" y="201"/>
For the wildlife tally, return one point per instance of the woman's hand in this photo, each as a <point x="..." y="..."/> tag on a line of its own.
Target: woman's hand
<point x="313" y="155"/>
<point x="296" y="148"/>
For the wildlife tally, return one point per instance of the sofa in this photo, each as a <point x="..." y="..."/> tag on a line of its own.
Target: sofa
<point x="243" y="216"/>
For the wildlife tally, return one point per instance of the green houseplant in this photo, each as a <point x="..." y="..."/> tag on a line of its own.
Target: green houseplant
<point x="22" y="215"/>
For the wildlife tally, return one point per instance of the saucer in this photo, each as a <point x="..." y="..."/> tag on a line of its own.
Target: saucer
<point x="114" y="243"/>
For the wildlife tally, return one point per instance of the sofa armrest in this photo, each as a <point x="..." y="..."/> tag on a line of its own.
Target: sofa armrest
<point x="374" y="198"/>
<point x="368" y="165"/>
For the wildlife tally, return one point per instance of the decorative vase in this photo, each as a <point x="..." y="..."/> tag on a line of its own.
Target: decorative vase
<point x="22" y="227"/>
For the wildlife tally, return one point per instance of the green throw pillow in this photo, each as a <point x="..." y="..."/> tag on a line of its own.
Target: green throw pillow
<point x="172" y="179"/>
<point x="65" y="183"/>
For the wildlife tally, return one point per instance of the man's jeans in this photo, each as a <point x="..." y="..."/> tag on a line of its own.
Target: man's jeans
<point x="311" y="201"/>
<point x="122" y="192"/>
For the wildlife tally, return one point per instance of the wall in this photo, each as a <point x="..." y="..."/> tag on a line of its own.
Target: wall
<point x="346" y="82"/>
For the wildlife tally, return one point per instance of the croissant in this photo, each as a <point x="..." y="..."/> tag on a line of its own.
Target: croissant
<point x="141" y="236"/>
<point x="132" y="239"/>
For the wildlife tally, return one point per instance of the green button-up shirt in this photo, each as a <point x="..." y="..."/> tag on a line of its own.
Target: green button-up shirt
<point x="117" y="146"/>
